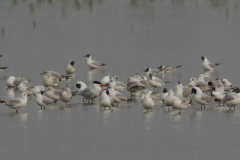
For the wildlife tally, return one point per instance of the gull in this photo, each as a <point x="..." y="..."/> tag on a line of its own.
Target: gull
<point x="50" y="93"/>
<point x="16" y="103"/>
<point x="26" y="87"/>
<point x="141" y="80"/>
<point x="70" y="67"/>
<point x="156" y="100"/>
<point x="207" y="65"/>
<point x="106" y="79"/>
<point x="14" y="82"/>
<point x="178" y="90"/>
<point x="149" y="70"/>
<point x="148" y="102"/>
<point x="219" y="86"/>
<point x="116" y="95"/>
<point x="37" y="89"/>
<point x="202" y="85"/>
<point x="43" y="100"/>
<point x="169" y="98"/>
<point x="93" y="64"/>
<point x="180" y="104"/>
<point x="92" y="93"/>
<point x="81" y="86"/>
<point x="66" y="95"/>
<point x="201" y="98"/>
<point x="3" y="68"/>
<point x="58" y="75"/>
<point x="105" y="100"/>
<point x="232" y="100"/>
<point x="155" y="82"/>
<point x="49" y="80"/>
<point x="188" y="91"/>
<point x="164" y="95"/>
<point x="132" y="86"/>
<point x="118" y="85"/>
<point x="170" y="69"/>
<point x="226" y="83"/>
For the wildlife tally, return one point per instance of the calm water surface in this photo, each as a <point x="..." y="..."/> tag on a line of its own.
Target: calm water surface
<point x="129" y="35"/>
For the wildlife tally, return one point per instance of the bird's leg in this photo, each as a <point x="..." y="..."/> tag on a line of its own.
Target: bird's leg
<point x="179" y="112"/>
<point x="41" y="107"/>
<point x="201" y="107"/>
<point x="16" y="111"/>
<point x="117" y="104"/>
<point x="44" y="107"/>
<point x="92" y="100"/>
<point x="204" y="106"/>
<point x="234" y="108"/>
<point x="172" y="108"/>
<point x="230" y="108"/>
<point x="168" y="109"/>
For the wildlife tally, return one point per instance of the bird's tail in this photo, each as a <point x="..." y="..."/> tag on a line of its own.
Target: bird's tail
<point x="167" y="82"/>
<point x="2" y="101"/>
<point x="217" y="64"/>
<point x="104" y="64"/>
<point x="179" y="66"/>
<point x="4" y="67"/>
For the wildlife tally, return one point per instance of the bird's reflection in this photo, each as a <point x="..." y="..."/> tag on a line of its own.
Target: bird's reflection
<point x="210" y="74"/>
<point x="20" y="116"/>
<point x="92" y="74"/>
<point x="12" y="92"/>
<point x="148" y="116"/>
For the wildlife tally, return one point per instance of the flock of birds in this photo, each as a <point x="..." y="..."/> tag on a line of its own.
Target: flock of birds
<point x="109" y="89"/>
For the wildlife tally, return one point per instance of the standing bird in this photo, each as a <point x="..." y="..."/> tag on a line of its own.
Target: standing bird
<point x="105" y="100"/>
<point x="81" y="86"/>
<point x="232" y="100"/>
<point x="201" y="98"/>
<point x="49" y="80"/>
<point x="155" y="82"/>
<point x="164" y="95"/>
<point x="207" y="65"/>
<point x="118" y="85"/>
<point x="16" y="103"/>
<point x="70" y="67"/>
<point x="148" y="102"/>
<point x="92" y="93"/>
<point x="180" y="104"/>
<point x="93" y="64"/>
<point x="66" y="95"/>
<point x="169" y="98"/>
<point x="43" y="100"/>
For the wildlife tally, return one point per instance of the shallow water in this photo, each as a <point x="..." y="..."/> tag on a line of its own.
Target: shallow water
<point x="129" y="36"/>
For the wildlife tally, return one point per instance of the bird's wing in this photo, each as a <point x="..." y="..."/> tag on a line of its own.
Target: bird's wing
<point x="12" y="102"/>
<point x="97" y="63"/>
<point x="206" y="98"/>
<point x="86" y="92"/>
<point x="47" y="100"/>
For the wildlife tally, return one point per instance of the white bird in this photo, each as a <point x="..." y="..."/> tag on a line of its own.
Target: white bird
<point x="232" y="100"/>
<point x="178" y="90"/>
<point x="92" y="93"/>
<point x="66" y="95"/>
<point x="132" y="86"/>
<point x="116" y="95"/>
<point x="141" y="80"/>
<point x="169" y="98"/>
<point x="105" y="100"/>
<point x="164" y="95"/>
<point x="92" y="63"/>
<point x="3" y="68"/>
<point x="81" y="86"/>
<point x="106" y="79"/>
<point x="53" y="94"/>
<point x="147" y="102"/>
<point x="207" y="65"/>
<point x="16" y="103"/>
<point x="49" y="80"/>
<point x="37" y="89"/>
<point x="155" y="99"/>
<point x="226" y="83"/>
<point x="201" y="98"/>
<point x="170" y="69"/>
<point x="70" y="67"/>
<point x="26" y="87"/>
<point x="14" y="82"/>
<point x="43" y="100"/>
<point x="118" y="85"/>
<point x="180" y="104"/>
<point x="58" y="75"/>
<point x="155" y="82"/>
